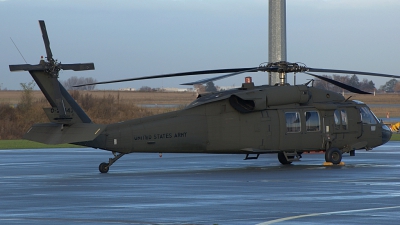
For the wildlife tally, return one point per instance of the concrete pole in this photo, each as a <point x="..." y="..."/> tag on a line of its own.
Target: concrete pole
<point x="277" y="37"/>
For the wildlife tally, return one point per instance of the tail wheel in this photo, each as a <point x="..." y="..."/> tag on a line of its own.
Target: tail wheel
<point x="333" y="155"/>
<point x="103" y="167"/>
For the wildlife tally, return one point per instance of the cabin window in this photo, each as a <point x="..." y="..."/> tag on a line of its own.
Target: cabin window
<point x="312" y="121"/>
<point x="340" y="116"/>
<point x="292" y="122"/>
<point x="366" y="116"/>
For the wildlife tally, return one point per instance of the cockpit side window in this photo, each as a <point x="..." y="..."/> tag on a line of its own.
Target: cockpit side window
<point x="312" y="121"/>
<point x="366" y="116"/>
<point x="293" y="123"/>
<point x="340" y="116"/>
<point x="337" y="117"/>
<point x="343" y="113"/>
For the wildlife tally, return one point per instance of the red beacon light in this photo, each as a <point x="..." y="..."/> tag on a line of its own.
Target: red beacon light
<point x="248" y="83"/>
<point x="41" y="60"/>
<point x="248" y="80"/>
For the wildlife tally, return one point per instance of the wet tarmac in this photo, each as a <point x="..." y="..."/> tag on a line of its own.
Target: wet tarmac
<point x="63" y="186"/>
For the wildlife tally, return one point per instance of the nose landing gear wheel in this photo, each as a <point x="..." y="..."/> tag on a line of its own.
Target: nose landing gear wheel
<point x="103" y="167"/>
<point x="333" y="155"/>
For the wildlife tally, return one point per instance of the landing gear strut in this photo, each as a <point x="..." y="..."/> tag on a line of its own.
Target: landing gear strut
<point x="104" y="167"/>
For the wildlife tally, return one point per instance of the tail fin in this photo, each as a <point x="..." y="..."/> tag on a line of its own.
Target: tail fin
<point x="64" y="109"/>
<point x="69" y="123"/>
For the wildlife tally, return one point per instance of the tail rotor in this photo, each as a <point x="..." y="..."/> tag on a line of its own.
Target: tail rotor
<point x="46" y="75"/>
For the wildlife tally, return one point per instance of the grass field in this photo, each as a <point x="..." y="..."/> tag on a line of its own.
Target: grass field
<point x="381" y="99"/>
<point x="395" y="137"/>
<point x="377" y="99"/>
<point x="25" y="144"/>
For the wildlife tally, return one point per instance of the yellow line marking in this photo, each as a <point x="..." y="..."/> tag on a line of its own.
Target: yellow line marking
<point x="97" y="131"/>
<point x="325" y="213"/>
<point x="331" y="164"/>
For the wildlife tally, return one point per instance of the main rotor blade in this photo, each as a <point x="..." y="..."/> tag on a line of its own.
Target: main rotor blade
<point x="77" y="66"/>
<point x="200" y="72"/>
<point x="339" y="84"/>
<point x="46" y="40"/>
<point x="351" y="72"/>
<point x="256" y="69"/>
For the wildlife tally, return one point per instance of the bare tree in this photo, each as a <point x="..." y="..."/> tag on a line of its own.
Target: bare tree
<point x="210" y="87"/>
<point x="145" y="89"/>
<point x="389" y="86"/>
<point x="26" y="100"/>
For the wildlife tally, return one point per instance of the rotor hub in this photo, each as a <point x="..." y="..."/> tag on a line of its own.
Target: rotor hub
<point x="283" y="67"/>
<point x="52" y="67"/>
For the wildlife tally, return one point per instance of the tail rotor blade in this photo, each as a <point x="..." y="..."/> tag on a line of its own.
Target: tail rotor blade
<point x="77" y="66"/>
<point x="25" y="67"/>
<point x="46" y="40"/>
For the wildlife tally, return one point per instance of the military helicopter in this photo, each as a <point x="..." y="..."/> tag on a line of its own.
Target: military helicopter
<point x="283" y="119"/>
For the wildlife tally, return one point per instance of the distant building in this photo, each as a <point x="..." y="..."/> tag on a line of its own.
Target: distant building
<point x="127" y="89"/>
<point x="227" y="88"/>
<point x="178" y="89"/>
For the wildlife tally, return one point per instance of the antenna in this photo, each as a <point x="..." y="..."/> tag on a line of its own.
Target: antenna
<point x="18" y="49"/>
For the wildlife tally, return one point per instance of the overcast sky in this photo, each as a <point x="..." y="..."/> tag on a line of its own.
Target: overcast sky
<point x="131" y="38"/>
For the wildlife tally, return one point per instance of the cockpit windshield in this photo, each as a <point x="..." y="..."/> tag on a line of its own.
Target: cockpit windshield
<point x="368" y="117"/>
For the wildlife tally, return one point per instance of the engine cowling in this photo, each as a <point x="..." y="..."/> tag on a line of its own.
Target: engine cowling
<point x="260" y="99"/>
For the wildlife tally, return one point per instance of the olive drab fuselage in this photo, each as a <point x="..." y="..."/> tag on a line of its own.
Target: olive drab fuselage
<point x="264" y="119"/>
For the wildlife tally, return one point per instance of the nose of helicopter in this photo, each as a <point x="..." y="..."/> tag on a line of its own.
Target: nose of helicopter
<point x="386" y="134"/>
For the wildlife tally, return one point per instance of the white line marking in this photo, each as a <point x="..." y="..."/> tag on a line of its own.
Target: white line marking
<point x="325" y="213"/>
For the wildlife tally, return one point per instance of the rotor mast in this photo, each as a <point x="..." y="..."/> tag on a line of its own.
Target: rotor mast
<point x="277" y="39"/>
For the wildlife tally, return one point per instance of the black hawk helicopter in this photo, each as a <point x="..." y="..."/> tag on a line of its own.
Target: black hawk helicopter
<point x="286" y="120"/>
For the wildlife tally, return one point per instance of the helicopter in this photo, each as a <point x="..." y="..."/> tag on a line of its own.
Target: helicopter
<point x="286" y="120"/>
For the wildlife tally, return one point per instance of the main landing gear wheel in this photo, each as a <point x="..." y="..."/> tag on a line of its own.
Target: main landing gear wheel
<point x="282" y="158"/>
<point x="333" y="155"/>
<point x="103" y="167"/>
